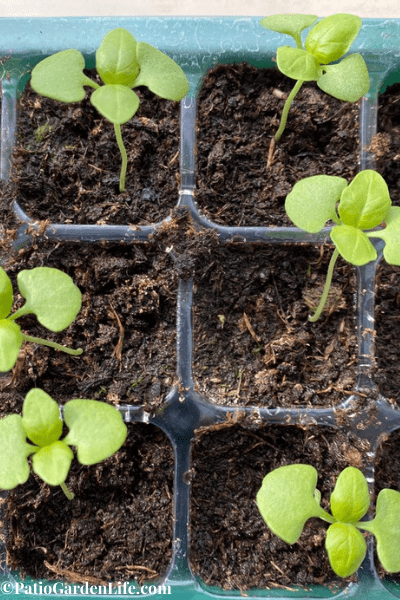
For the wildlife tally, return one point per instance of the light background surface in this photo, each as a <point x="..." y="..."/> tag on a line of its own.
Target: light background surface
<point x="62" y="8"/>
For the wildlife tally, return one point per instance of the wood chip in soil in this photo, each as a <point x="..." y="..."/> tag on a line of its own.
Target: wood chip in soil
<point x="231" y="546"/>
<point x="118" y="527"/>
<point x="253" y="344"/>
<point x="239" y="111"/>
<point x="67" y="161"/>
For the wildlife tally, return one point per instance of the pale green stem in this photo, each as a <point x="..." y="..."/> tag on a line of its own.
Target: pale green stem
<point x="35" y="340"/>
<point x="70" y="495"/>
<point x="124" y="156"/>
<point x="286" y="108"/>
<point x="327" y="286"/>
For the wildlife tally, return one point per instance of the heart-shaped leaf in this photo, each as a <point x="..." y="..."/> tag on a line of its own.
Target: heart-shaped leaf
<point x="365" y="203"/>
<point x="332" y="37"/>
<point x="348" y="80"/>
<point x="61" y="77"/>
<point x="391" y="236"/>
<point x="386" y="529"/>
<point x="291" y="24"/>
<point x="117" y="103"/>
<point x="52" y="463"/>
<point x="346" y="548"/>
<point x="160" y="73"/>
<point x="41" y="418"/>
<point x="350" y="498"/>
<point x="14" y="451"/>
<point x="312" y="201"/>
<point x="286" y="500"/>
<point x="6" y="294"/>
<point x="297" y="64"/>
<point x="116" y="61"/>
<point x="51" y="295"/>
<point x="95" y="428"/>
<point x="353" y="244"/>
<point x="11" y="339"/>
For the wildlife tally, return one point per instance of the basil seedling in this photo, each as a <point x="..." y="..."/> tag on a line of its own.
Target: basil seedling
<point x="288" y="498"/>
<point x="326" y="42"/>
<point x="123" y="64"/>
<point x="95" y="428"/>
<point x="362" y="205"/>
<point x="51" y="295"/>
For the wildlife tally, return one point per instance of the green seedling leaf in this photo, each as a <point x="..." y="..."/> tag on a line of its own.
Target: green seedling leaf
<point x="51" y="295"/>
<point x="11" y="339"/>
<point x="391" y="236"/>
<point x="287" y="500"/>
<point x="95" y="428"/>
<point x="41" y="418"/>
<point x="117" y="103"/>
<point x="297" y="64"/>
<point x="353" y="244"/>
<point x="52" y="463"/>
<point x="14" y="452"/>
<point x="160" y="73"/>
<point x="61" y="77"/>
<point x="312" y="201"/>
<point x="365" y="203"/>
<point x="386" y="528"/>
<point x="346" y="548"/>
<point x="348" y="80"/>
<point x="350" y="498"/>
<point x="116" y="61"/>
<point x="290" y="24"/>
<point x="6" y="294"/>
<point x="332" y="37"/>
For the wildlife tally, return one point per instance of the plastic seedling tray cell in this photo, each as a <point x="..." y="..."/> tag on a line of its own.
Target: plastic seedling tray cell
<point x="197" y="44"/>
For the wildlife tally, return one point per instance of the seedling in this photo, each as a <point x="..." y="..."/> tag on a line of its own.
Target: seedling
<point x="363" y="205"/>
<point x="123" y="64"/>
<point x="288" y="498"/>
<point x="95" y="428"/>
<point x="51" y="295"/>
<point x="326" y="42"/>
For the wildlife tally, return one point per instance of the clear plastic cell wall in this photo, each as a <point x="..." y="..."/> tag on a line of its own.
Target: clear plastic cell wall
<point x="198" y="44"/>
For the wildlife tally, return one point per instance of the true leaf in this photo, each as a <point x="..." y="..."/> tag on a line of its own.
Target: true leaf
<point x="332" y="37"/>
<point x="116" y="61"/>
<point x="347" y="80"/>
<point x="41" y="418"/>
<point x="51" y="295"/>
<point x="117" y="103"/>
<point x="95" y="428"/>
<point x="312" y="201"/>
<point x="346" y="548"/>
<point x="61" y="76"/>
<point x="386" y="528"/>
<point x="291" y="24"/>
<point x="353" y="244"/>
<point x="52" y="463"/>
<point x="14" y="450"/>
<point x="6" y="294"/>
<point x="162" y="75"/>
<point x="365" y="203"/>
<point x="286" y="500"/>
<point x="350" y="498"/>
<point x="391" y="236"/>
<point x="11" y="339"/>
<point x="297" y="64"/>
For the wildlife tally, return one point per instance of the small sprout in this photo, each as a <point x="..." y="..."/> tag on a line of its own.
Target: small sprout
<point x="288" y="498"/>
<point x="41" y="132"/>
<point x="123" y="64"/>
<point x="51" y="295"/>
<point x="222" y="320"/>
<point x="362" y="205"/>
<point x="96" y="430"/>
<point x="327" y="41"/>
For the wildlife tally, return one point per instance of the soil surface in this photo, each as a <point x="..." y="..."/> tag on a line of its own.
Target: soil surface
<point x="231" y="545"/>
<point x="67" y="161"/>
<point x="239" y="113"/>
<point x="118" y="527"/>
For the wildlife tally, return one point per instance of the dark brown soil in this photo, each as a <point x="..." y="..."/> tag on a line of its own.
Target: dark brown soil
<point x="239" y="113"/>
<point x="118" y="527"/>
<point x="231" y="545"/>
<point x="253" y="342"/>
<point x="386" y="145"/>
<point x="67" y="162"/>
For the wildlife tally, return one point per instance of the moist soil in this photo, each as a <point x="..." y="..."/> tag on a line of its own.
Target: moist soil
<point x="232" y="547"/>
<point x="239" y="111"/>
<point x="67" y="161"/>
